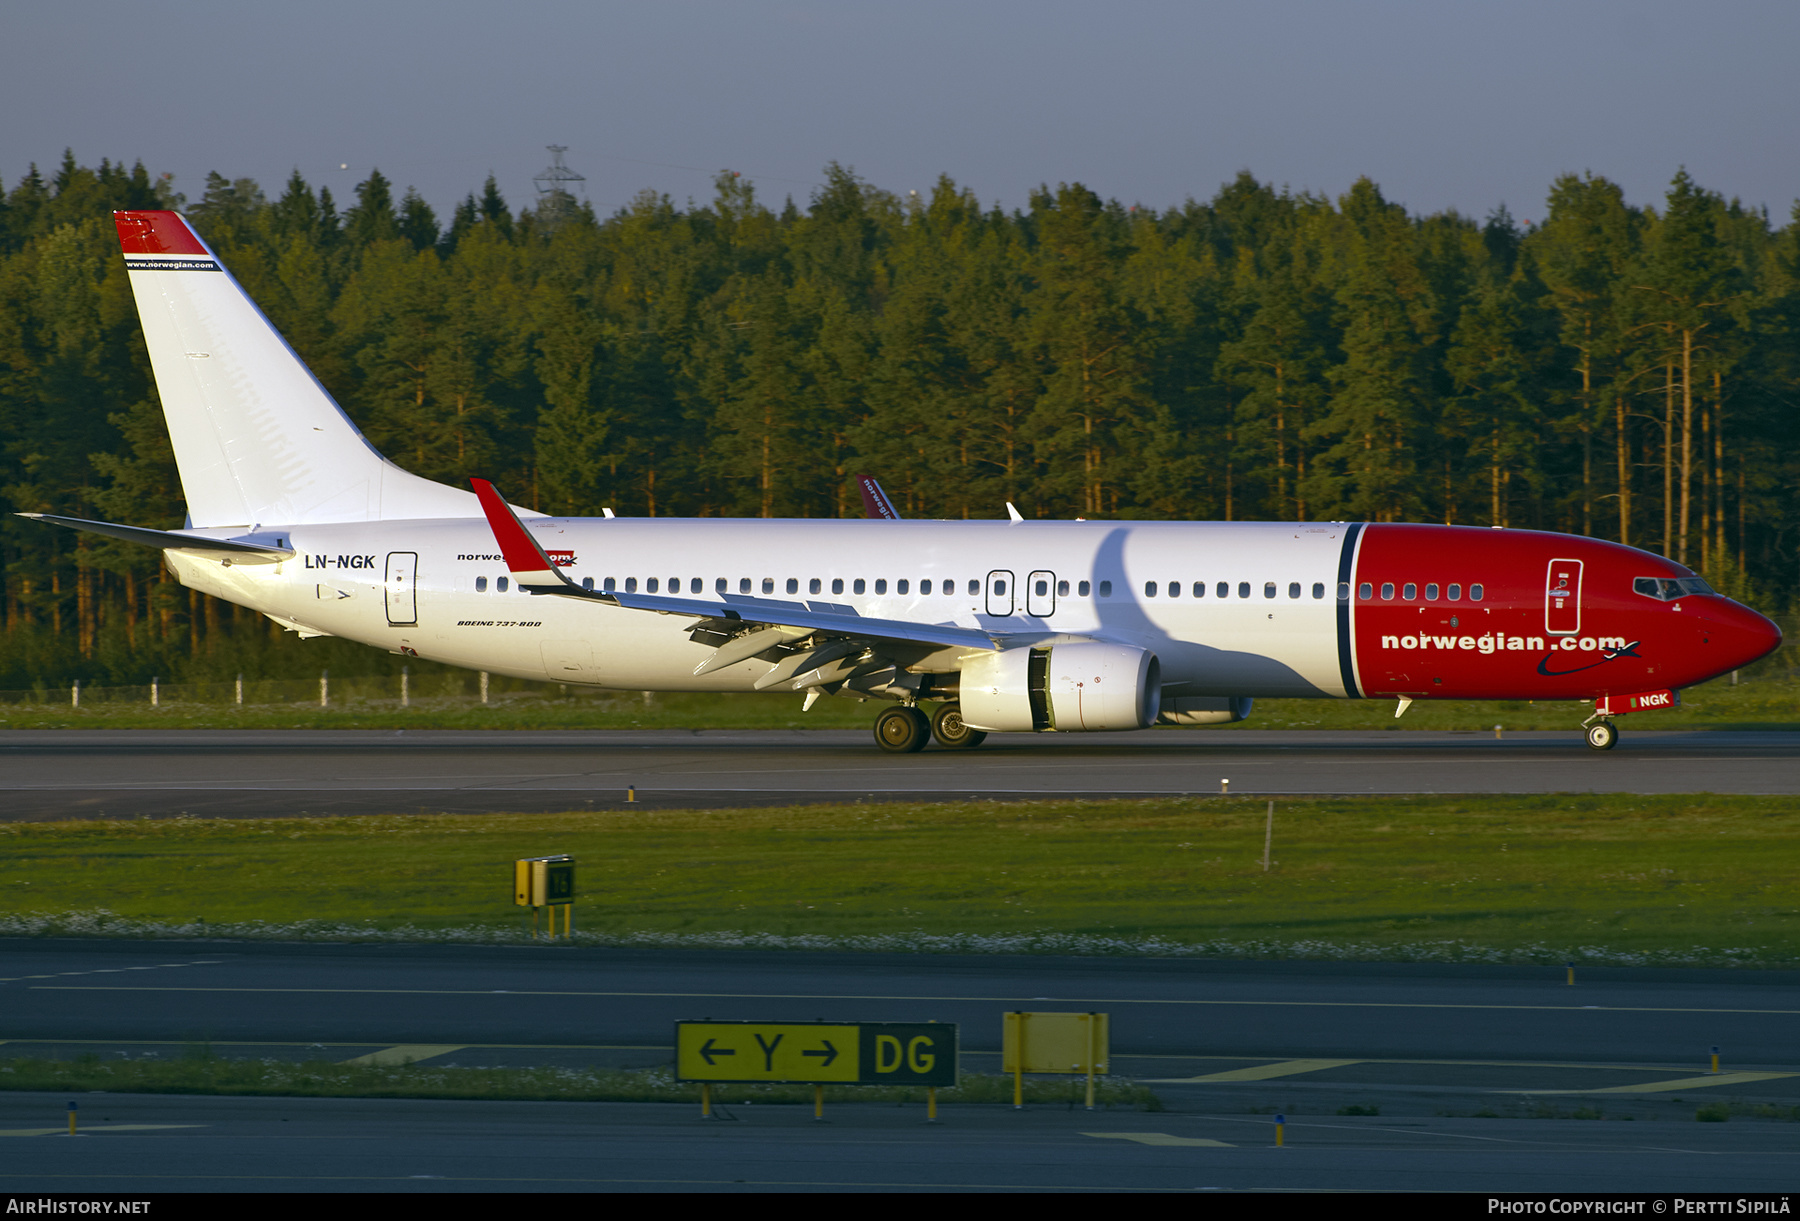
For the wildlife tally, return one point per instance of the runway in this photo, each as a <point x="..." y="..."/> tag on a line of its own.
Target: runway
<point x="1392" y="1077"/>
<point x="47" y="774"/>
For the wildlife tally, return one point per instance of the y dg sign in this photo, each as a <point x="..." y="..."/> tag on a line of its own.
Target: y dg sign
<point x="845" y="1053"/>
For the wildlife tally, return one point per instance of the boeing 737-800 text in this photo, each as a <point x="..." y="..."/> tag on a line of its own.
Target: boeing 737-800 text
<point x="1018" y="625"/>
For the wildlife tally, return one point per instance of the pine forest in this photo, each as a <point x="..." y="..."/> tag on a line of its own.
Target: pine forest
<point x="1623" y="370"/>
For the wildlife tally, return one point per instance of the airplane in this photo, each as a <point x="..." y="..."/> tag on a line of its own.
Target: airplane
<point x="1015" y="626"/>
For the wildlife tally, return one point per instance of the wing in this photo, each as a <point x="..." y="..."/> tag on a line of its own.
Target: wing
<point x="813" y="644"/>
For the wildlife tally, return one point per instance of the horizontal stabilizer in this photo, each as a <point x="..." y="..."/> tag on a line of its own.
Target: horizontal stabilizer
<point x="267" y="548"/>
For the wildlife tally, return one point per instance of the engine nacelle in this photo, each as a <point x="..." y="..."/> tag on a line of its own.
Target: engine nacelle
<point x="1205" y="710"/>
<point x="1072" y="688"/>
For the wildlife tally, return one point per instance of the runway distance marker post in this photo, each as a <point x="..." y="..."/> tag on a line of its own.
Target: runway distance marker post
<point x="817" y="1054"/>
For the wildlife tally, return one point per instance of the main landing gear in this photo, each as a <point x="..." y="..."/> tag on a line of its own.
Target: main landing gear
<point x="951" y="734"/>
<point x="1603" y="734"/>
<point x="903" y="730"/>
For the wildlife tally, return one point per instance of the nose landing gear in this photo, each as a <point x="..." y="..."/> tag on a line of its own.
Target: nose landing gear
<point x="1603" y="735"/>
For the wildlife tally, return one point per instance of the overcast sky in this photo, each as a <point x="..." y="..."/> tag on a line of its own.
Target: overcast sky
<point x="1445" y="104"/>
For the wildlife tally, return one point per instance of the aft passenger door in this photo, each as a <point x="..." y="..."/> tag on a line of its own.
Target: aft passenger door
<point x="999" y="593"/>
<point x="402" y="598"/>
<point x="1562" y="598"/>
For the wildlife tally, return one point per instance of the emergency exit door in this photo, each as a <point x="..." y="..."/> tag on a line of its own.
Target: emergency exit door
<point x="1000" y="593"/>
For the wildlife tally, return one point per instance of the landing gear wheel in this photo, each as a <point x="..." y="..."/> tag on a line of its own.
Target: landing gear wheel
<point x="948" y="728"/>
<point x="901" y="731"/>
<point x="1603" y="735"/>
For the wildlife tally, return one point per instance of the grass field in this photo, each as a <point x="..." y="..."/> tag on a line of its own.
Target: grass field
<point x="1763" y="703"/>
<point x="1681" y="879"/>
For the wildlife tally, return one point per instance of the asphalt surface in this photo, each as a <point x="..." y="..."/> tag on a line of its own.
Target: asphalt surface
<point x="47" y="774"/>
<point x="144" y="1146"/>
<point x="1171" y="1018"/>
<point x="1462" y="1078"/>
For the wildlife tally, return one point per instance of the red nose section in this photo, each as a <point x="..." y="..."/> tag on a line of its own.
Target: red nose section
<point x="1744" y="634"/>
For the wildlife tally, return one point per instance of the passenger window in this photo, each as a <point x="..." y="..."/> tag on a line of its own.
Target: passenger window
<point x="696" y="585"/>
<point x="1475" y="593"/>
<point x="743" y="585"/>
<point x="999" y="587"/>
<point x="1149" y="589"/>
<point x="1387" y="591"/>
<point x="1082" y="589"/>
<point x="1062" y="589"/>
<point x="1409" y="591"/>
<point x="1454" y="593"/>
<point x="1293" y="589"/>
<point x="859" y="586"/>
<point x="1243" y="589"/>
<point x="720" y="585"/>
<point x="925" y="586"/>
<point x="1224" y="590"/>
<point x="630" y="585"/>
<point x="609" y="584"/>
<point x="500" y="585"/>
<point x="1319" y="591"/>
<point x="1269" y="589"/>
<point x="1365" y="591"/>
<point x="974" y="587"/>
<point x="793" y="585"/>
<point x="900" y="587"/>
<point x="768" y="585"/>
<point x="1431" y="593"/>
<point x="814" y="586"/>
<point x="1344" y="591"/>
<point x="652" y="585"/>
<point x="881" y="587"/>
<point x="587" y="583"/>
<point x="1199" y="589"/>
<point x="837" y="585"/>
<point x="481" y="585"/>
<point x="1106" y="589"/>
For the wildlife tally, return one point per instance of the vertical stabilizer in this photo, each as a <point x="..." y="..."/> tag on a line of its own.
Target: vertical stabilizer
<point x="257" y="438"/>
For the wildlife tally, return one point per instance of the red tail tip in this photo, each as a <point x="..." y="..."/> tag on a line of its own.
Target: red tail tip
<point x="155" y="233"/>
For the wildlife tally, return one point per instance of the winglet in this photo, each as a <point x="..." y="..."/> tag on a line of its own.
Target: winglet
<point x="531" y="568"/>
<point x="1013" y="513"/>
<point x="875" y="501"/>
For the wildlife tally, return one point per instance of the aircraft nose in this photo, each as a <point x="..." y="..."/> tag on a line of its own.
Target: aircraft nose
<point x="1745" y="634"/>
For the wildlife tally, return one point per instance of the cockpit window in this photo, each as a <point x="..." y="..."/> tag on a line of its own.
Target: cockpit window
<point x="1667" y="589"/>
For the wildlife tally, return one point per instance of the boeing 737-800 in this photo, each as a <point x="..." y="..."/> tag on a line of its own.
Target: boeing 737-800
<point x="1000" y="626"/>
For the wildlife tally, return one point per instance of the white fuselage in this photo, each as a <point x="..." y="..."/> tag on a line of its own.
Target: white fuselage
<point x="1273" y="634"/>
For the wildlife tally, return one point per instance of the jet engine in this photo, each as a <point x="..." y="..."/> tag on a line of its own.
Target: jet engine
<point x="1071" y="688"/>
